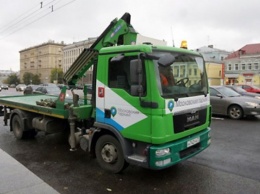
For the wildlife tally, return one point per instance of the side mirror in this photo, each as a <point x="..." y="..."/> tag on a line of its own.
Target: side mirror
<point x="219" y="95"/>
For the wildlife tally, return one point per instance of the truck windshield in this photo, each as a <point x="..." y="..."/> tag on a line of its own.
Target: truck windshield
<point x="185" y="76"/>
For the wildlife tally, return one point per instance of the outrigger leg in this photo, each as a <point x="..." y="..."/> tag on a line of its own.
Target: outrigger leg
<point x="72" y="139"/>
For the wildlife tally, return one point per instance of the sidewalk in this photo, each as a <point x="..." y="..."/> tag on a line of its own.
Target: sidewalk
<point x="16" y="179"/>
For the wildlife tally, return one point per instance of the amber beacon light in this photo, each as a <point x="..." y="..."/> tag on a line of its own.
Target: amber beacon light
<point x="184" y="44"/>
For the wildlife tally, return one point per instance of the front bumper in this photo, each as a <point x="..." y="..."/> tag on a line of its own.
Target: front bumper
<point x="179" y="150"/>
<point x="252" y="110"/>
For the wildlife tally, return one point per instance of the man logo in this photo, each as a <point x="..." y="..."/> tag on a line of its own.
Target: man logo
<point x="193" y="117"/>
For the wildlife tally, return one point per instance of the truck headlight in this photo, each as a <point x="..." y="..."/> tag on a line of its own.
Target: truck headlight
<point x="162" y="152"/>
<point x="251" y="104"/>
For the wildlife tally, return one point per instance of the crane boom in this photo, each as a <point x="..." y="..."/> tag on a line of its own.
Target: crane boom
<point x="119" y="32"/>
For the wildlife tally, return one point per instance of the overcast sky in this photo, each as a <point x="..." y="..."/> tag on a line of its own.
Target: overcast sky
<point x="226" y="24"/>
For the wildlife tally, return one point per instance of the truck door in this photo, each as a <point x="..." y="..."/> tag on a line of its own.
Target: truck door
<point x="120" y="109"/>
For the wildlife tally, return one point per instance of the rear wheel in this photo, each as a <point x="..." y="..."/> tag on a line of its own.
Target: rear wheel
<point x="110" y="154"/>
<point x="19" y="131"/>
<point x="235" y="112"/>
<point x="18" y="128"/>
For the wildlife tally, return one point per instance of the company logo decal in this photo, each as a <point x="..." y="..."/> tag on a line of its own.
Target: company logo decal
<point x="123" y="112"/>
<point x="113" y="111"/>
<point x="188" y="103"/>
<point x="170" y="105"/>
<point x="62" y="97"/>
<point x="191" y="102"/>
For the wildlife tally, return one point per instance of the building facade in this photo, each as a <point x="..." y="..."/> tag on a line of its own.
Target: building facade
<point x="211" y="54"/>
<point x="214" y="60"/>
<point x="243" y="66"/>
<point x="41" y="59"/>
<point x="215" y="72"/>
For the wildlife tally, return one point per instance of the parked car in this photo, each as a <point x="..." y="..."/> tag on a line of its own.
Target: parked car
<point x="249" y="88"/>
<point x="243" y="92"/>
<point x="50" y="89"/>
<point x="30" y="89"/>
<point x="12" y="86"/>
<point x="4" y="87"/>
<point x="79" y="86"/>
<point x="20" y="87"/>
<point x="225" y="101"/>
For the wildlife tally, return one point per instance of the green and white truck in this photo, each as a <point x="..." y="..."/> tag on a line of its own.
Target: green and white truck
<point x="132" y="116"/>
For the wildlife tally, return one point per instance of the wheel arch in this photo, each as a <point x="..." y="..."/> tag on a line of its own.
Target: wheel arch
<point x="104" y="129"/>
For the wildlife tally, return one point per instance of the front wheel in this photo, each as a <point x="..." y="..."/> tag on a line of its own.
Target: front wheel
<point x="110" y="154"/>
<point x="235" y="112"/>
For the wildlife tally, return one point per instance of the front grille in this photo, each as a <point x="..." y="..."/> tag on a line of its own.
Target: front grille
<point x="189" y="151"/>
<point x="187" y="121"/>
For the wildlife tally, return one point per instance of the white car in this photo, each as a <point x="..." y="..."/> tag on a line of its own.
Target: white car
<point x="20" y="87"/>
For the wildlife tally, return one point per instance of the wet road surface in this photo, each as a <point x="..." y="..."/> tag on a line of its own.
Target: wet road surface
<point x="230" y="165"/>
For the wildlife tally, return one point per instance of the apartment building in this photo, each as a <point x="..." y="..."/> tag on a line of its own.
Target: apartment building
<point x="41" y="59"/>
<point x="243" y="66"/>
<point x="214" y="61"/>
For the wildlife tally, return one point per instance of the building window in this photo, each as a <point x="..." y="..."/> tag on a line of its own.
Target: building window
<point x="249" y="66"/>
<point x="243" y="67"/>
<point x="236" y="66"/>
<point x="229" y="67"/>
<point x="256" y="66"/>
<point x="183" y="71"/>
<point x="195" y="71"/>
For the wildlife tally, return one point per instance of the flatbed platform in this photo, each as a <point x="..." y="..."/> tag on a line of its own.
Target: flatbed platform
<point x="28" y="103"/>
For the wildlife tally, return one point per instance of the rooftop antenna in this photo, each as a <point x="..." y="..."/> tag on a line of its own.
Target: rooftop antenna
<point x="172" y="37"/>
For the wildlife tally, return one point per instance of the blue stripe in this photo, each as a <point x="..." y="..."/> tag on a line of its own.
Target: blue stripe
<point x="100" y="115"/>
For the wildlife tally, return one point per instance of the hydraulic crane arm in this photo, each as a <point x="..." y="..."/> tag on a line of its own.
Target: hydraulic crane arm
<point x="119" y="32"/>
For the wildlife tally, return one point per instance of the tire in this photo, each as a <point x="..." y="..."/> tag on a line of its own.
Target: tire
<point x="19" y="131"/>
<point x="18" y="128"/>
<point x="110" y="155"/>
<point x="235" y="112"/>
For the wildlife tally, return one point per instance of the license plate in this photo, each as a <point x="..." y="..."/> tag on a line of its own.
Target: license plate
<point x="193" y="141"/>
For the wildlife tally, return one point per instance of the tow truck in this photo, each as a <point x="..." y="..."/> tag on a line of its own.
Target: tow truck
<point x="131" y="117"/>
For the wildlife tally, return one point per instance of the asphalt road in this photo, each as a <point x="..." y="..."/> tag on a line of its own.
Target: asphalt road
<point x="230" y="165"/>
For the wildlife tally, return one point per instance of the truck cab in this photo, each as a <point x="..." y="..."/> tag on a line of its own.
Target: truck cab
<point x="147" y="116"/>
